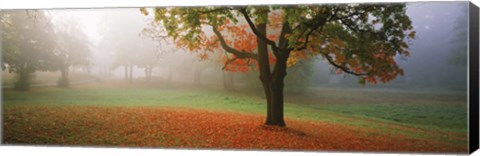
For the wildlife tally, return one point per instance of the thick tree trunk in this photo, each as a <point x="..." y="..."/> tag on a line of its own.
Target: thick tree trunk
<point x="277" y="86"/>
<point x="273" y="83"/>
<point x="265" y="73"/>
<point x="278" y="78"/>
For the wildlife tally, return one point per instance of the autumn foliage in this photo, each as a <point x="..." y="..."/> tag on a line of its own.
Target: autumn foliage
<point x="238" y="36"/>
<point x="187" y="128"/>
<point x="362" y="40"/>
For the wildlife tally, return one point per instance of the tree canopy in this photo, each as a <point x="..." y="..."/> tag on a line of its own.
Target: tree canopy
<point x="34" y="41"/>
<point x="358" y="39"/>
<point x="27" y="43"/>
<point x="72" y="48"/>
<point x="26" y="33"/>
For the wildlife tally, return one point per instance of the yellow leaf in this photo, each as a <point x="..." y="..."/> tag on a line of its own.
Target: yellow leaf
<point x="144" y="11"/>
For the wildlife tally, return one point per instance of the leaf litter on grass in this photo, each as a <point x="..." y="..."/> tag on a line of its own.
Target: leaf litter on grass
<point x="193" y="128"/>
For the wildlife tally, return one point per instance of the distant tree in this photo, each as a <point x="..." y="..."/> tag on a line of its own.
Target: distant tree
<point x="72" y="49"/>
<point x="460" y="38"/>
<point x="120" y="35"/>
<point x="300" y="76"/>
<point x="148" y="58"/>
<point x="27" y="44"/>
<point x="124" y="35"/>
<point x="155" y="50"/>
<point x="357" y="39"/>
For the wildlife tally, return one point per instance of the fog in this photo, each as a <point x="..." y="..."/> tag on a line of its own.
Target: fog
<point x="438" y="54"/>
<point x="119" y="44"/>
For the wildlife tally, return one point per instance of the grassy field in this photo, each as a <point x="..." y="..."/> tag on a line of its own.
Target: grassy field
<point x="439" y="118"/>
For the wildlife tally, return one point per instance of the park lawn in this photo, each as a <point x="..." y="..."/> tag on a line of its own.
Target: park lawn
<point x="429" y="117"/>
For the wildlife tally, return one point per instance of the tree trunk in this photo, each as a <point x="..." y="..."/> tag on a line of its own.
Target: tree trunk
<point x="273" y="83"/>
<point x="196" y="75"/>
<point x="228" y="80"/>
<point x="169" y="74"/>
<point x="265" y="73"/>
<point x="277" y="87"/>
<point x="231" y="80"/>
<point x="278" y="78"/>
<point x="225" y="86"/>
<point x="23" y="82"/>
<point x="131" y="73"/>
<point x="126" y="72"/>
<point x="63" y="81"/>
<point x="148" y="73"/>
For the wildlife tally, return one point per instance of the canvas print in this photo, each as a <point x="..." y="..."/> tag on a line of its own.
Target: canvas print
<point x="359" y="77"/>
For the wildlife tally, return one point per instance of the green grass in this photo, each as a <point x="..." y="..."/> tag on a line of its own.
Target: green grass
<point x="445" y="110"/>
<point x="442" y="112"/>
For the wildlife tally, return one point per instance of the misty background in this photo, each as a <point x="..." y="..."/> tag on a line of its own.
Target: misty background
<point x="120" y="49"/>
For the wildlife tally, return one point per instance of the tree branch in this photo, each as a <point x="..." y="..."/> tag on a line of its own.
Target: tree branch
<point x="344" y="69"/>
<point x="283" y="42"/>
<point x="350" y="25"/>
<point x="255" y="30"/>
<point x="304" y="46"/>
<point x="318" y="23"/>
<point x="228" y="62"/>
<point x="214" y="10"/>
<point x="367" y="9"/>
<point x="354" y="28"/>
<point x="239" y="54"/>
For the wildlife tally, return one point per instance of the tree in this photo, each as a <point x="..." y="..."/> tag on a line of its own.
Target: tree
<point x="156" y="49"/>
<point x="72" y="49"/>
<point x="357" y="39"/>
<point x="27" y="44"/>
<point x="460" y="38"/>
<point x="300" y="76"/>
<point x="147" y="57"/>
<point x="121" y="36"/>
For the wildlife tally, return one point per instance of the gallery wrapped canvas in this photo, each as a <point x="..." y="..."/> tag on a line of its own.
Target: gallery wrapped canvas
<point x="356" y="77"/>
